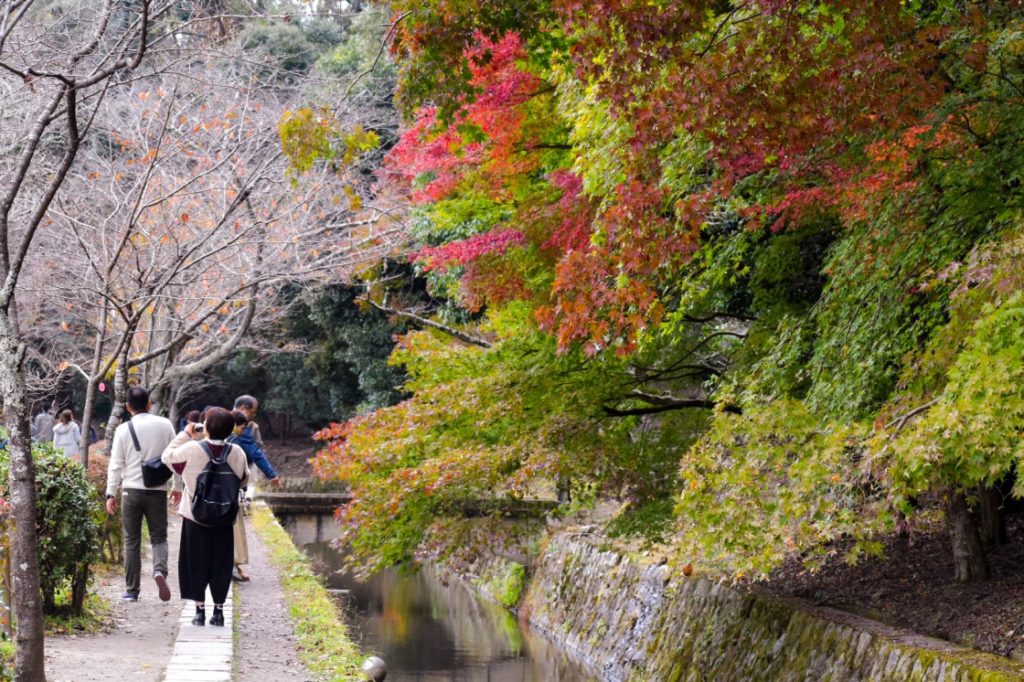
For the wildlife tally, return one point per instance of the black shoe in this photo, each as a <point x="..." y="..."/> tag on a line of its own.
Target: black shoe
<point x="200" y="617"/>
<point x="129" y="596"/>
<point x="218" y="617"/>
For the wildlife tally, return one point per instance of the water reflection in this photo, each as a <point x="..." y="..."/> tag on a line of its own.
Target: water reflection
<point x="432" y="632"/>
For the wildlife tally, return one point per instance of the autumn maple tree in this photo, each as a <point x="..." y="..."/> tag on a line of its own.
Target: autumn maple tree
<point x="743" y="265"/>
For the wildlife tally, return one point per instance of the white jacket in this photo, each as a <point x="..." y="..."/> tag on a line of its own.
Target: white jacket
<point x="125" y="467"/>
<point x="66" y="437"/>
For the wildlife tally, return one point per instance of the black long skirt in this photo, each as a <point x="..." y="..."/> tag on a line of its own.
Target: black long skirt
<point x="205" y="559"/>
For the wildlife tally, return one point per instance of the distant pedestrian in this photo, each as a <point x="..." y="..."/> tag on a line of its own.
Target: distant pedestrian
<point x="206" y="555"/>
<point x="141" y="438"/>
<point x="66" y="434"/>
<point x="42" y="426"/>
<point x="191" y="417"/>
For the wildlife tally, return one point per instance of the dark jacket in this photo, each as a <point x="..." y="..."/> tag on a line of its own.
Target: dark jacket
<point x="253" y="452"/>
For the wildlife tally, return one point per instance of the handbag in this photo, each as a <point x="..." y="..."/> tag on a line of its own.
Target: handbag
<point x="154" y="471"/>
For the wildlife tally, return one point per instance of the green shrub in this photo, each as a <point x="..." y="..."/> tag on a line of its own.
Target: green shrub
<point x="111" y="544"/>
<point x="285" y="48"/>
<point x="6" y="660"/>
<point x="66" y="524"/>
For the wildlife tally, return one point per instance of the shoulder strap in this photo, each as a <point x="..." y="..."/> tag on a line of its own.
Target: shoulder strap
<point x="209" y="452"/>
<point x="135" y="437"/>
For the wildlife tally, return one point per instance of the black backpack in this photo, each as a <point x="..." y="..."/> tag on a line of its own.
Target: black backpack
<point x="215" y="501"/>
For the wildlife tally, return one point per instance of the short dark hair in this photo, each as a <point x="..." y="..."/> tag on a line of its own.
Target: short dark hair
<point x="192" y="416"/>
<point x="219" y="423"/>
<point x="246" y="401"/>
<point x="239" y="418"/>
<point x="138" y="398"/>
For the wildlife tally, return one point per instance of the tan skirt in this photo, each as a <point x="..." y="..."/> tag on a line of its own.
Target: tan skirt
<point x="241" y="548"/>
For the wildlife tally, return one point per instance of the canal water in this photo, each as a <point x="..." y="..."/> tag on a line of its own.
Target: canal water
<point x="431" y="632"/>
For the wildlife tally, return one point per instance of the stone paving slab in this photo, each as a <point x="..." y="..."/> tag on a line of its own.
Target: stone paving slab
<point x="203" y="654"/>
<point x="198" y="676"/>
<point x="203" y="663"/>
<point x="199" y="649"/>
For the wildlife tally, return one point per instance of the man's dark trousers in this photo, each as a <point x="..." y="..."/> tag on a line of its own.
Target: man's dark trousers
<point x="136" y="505"/>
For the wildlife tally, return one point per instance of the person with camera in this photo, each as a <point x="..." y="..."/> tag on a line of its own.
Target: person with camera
<point x="213" y="472"/>
<point x="141" y="438"/>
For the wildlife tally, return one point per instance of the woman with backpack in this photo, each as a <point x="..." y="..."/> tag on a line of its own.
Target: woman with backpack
<point x="212" y="471"/>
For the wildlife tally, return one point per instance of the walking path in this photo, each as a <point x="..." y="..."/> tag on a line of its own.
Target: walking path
<point x="154" y="641"/>
<point x="266" y="640"/>
<point x="203" y="654"/>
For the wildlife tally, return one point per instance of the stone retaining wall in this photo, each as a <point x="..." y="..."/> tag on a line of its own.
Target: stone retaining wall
<point x="633" y="620"/>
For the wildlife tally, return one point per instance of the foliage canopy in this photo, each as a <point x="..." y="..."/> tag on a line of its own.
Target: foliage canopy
<point x="754" y="258"/>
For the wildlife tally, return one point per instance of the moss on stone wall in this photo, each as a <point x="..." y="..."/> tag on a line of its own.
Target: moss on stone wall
<point x="503" y="581"/>
<point x="639" y="621"/>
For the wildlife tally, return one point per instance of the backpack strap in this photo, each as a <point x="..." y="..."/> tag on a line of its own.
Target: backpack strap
<point x="209" y="452"/>
<point x="135" y="437"/>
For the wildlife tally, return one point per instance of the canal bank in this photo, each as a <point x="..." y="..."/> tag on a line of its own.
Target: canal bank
<point x="585" y="611"/>
<point x="637" y="619"/>
<point x="429" y="625"/>
<point x="318" y="633"/>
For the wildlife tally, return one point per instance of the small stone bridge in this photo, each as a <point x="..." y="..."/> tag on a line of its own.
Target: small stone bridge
<point x="326" y="503"/>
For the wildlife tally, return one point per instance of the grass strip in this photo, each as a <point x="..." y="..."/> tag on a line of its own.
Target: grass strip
<point x="323" y="642"/>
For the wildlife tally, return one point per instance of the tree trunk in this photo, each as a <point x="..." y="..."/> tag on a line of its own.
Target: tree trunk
<point x="96" y="371"/>
<point x="160" y="397"/>
<point x="969" y="562"/>
<point x="87" y="410"/>
<point x="172" y="411"/>
<point x="28" y="611"/>
<point x="79" y="585"/>
<point x="563" y="489"/>
<point x="991" y="520"/>
<point x="119" y="397"/>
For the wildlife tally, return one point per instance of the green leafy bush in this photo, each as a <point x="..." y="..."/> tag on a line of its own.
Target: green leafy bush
<point x="111" y="544"/>
<point x="773" y="483"/>
<point x="285" y="48"/>
<point x="971" y="436"/>
<point x="66" y="523"/>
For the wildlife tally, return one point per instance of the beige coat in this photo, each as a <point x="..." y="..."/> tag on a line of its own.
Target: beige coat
<point x="187" y="457"/>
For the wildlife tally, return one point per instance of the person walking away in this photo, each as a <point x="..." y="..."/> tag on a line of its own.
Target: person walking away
<point x="143" y="437"/>
<point x="42" y="426"/>
<point x="243" y="437"/>
<point x="206" y="553"/>
<point x="66" y="434"/>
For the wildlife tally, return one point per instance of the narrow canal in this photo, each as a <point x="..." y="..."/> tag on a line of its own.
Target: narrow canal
<point x="429" y="631"/>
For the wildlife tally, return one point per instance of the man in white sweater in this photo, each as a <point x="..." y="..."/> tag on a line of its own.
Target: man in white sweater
<point x="152" y="435"/>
